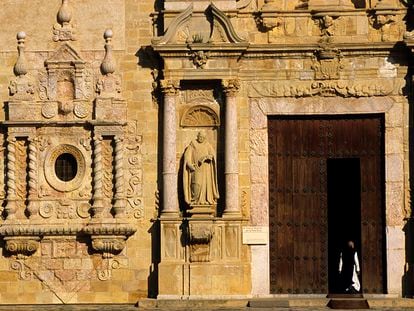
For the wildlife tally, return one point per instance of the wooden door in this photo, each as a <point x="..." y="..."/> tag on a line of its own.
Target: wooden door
<point x="299" y="149"/>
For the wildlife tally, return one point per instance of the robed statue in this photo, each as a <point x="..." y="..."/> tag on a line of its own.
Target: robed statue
<point x="200" y="173"/>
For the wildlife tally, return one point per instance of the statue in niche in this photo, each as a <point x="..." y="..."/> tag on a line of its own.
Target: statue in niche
<point x="200" y="173"/>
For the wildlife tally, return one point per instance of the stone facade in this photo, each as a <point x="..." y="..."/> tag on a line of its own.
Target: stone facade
<point x="115" y="90"/>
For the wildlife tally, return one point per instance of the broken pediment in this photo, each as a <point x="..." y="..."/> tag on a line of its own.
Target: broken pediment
<point x="65" y="54"/>
<point x="211" y="27"/>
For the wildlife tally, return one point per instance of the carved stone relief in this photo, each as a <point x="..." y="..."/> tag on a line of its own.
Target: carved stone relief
<point x="200" y="236"/>
<point x="341" y="88"/>
<point x="51" y="169"/>
<point x="200" y="116"/>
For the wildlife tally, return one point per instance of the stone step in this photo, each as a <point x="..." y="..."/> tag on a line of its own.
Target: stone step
<point x="191" y="304"/>
<point x="348" y="303"/>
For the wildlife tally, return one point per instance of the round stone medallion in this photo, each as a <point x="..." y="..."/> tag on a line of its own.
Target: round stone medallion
<point x="65" y="168"/>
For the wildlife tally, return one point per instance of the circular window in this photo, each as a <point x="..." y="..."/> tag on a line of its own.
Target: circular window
<point x="66" y="167"/>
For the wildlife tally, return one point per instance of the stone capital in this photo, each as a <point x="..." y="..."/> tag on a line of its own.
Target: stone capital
<point x="170" y="87"/>
<point x="231" y="87"/>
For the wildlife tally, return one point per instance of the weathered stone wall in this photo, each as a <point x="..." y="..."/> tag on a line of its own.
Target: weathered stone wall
<point x="274" y="58"/>
<point x="63" y="269"/>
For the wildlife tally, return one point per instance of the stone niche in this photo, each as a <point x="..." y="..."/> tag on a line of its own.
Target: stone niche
<point x="72" y="165"/>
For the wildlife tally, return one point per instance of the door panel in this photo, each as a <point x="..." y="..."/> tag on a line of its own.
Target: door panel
<point x="299" y="148"/>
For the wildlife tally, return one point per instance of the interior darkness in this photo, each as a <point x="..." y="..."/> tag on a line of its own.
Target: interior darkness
<point x="344" y="212"/>
<point x="66" y="167"/>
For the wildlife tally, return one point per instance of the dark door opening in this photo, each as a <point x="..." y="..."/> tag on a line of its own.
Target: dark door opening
<point x="344" y="212"/>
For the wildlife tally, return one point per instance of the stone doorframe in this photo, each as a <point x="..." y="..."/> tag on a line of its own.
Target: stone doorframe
<point x="396" y="172"/>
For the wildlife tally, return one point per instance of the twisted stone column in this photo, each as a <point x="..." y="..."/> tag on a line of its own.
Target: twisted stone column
<point x="11" y="205"/>
<point x="32" y="206"/>
<point x="98" y="204"/>
<point x="120" y="202"/>
<point x="231" y="154"/>
<point x="169" y="165"/>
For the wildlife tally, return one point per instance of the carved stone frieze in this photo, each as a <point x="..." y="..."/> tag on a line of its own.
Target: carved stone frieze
<point x="199" y="95"/>
<point x="322" y="88"/>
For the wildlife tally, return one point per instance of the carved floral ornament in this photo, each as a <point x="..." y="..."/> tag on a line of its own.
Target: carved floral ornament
<point x="324" y="88"/>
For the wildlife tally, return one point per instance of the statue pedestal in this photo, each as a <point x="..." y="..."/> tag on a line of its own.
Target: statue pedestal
<point x="199" y="210"/>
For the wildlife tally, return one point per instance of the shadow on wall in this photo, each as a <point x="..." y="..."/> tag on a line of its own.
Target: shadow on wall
<point x="359" y="4"/>
<point x="155" y="260"/>
<point x="408" y="277"/>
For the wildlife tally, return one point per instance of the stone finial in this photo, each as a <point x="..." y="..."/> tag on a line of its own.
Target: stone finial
<point x="64" y="15"/>
<point x="63" y="30"/>
<point x="21" y="87"/>
<point x="20" y="68"/>
<point x="110" y="84"/>
<point x="108" y="64"/>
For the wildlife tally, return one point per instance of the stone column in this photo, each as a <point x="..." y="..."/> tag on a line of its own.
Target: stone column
<point x="169" y="163"/>
<point x="98" y="205"/>
<point x="231" y="154"/>
<point x="11" y="206"/>
<point x="32" y="206"/>
<point x="120" y="202"/>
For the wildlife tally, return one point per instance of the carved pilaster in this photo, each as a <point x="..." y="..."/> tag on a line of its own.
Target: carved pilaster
<point x="11" y="205"/>
<point x="120" y="199"/>
<point x="98" y="204"/>
<point x="32" y="206"/>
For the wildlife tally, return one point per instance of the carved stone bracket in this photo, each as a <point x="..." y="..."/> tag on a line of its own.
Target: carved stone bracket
<point x="108" y="237"/>
<point x="21" y="246"/>
<point x="200" y="236"/>
<point x="108" y="246"/>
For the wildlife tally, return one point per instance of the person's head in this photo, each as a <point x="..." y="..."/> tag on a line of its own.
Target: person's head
<point x="201" y="137"/>
<point x="350" y="244"/>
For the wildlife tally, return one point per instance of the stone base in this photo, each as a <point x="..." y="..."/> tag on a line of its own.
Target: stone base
<point x="202" y="210"/>
<point x="180" y="279"/>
